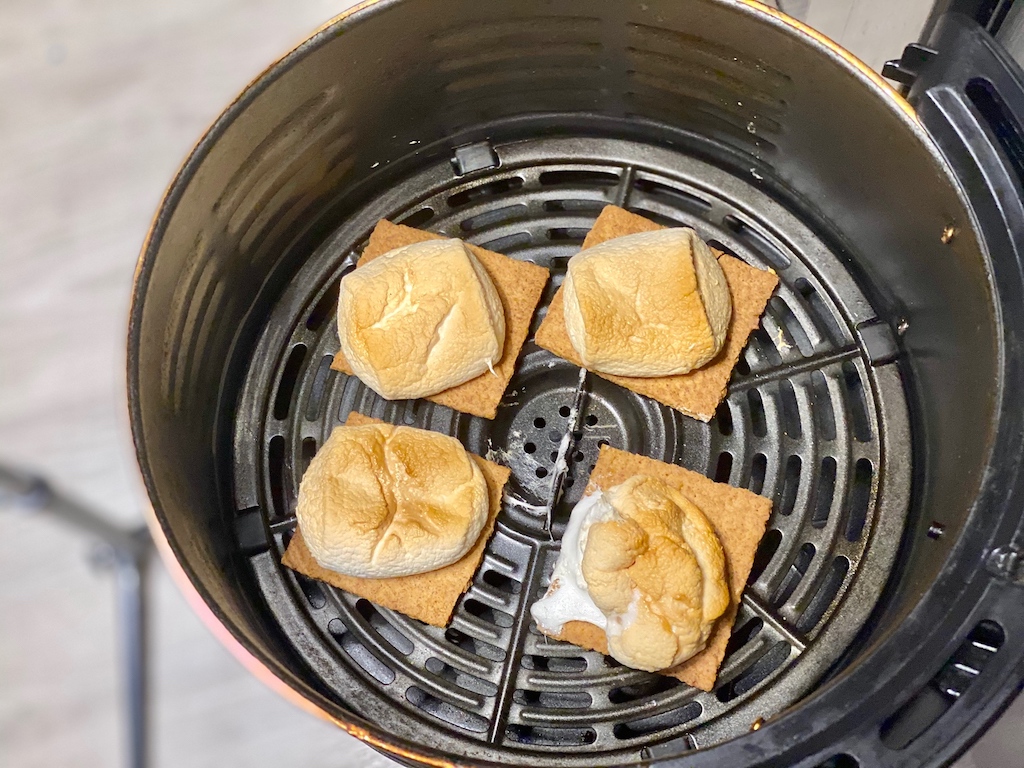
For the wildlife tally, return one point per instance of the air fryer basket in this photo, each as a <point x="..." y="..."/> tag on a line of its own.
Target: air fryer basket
<point x="867" y="405"/>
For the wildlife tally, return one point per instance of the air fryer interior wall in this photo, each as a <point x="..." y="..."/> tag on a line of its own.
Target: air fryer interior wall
<point x="361" y="122"/>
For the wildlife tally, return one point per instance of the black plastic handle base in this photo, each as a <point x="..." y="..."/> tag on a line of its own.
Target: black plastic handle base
<point x="969" y="96"/>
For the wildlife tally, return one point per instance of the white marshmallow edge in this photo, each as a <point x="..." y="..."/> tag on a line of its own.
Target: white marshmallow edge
<point x="568" y="597"/>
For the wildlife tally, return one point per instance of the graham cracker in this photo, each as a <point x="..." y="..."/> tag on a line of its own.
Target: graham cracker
<point x="698" y="392"/>
<point x="519" y="285"/>
<point x="739" y="518"/>
<point x="430" y="597"/>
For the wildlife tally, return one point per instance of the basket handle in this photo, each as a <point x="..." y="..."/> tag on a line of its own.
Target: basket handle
<point x="969" y="96"/>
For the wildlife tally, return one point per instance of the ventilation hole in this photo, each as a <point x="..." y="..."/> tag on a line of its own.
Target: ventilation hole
<point x="657" y="217"/>
<point x="324" y="308"/>
<point x="356" y="651"/>
<point x="417" y="219"/>
<point x="553" y="699"/>
<point x="382" y="627"/>
<point x="790" y="486"/>
<point x="551" y="737"/>
<point x="569" y="481"/>
<point x="539" y="423"/>
<point x="474" y="646"/>
<point x="790" y="409"/>
<point x="758" y="466"/>
<point x="763" y="350"/>
<point x="574" y="206"/>
<point x="1000" y="119"/>
<point x="494" y="216"/>
<point x="723" y="419"/>
<point x="567" y="234"/>
<point x="530" y="447"/>
<point x="840" y="761"/>
<point x="468" y="682"/>
<point x="820" y="311"/>
<point x="578" y="456"/>
<point x="757" y="242"/>
<point x="645" y="726"/>
<point x="773" y="658"/>
<point x="579" y="178"/>
<point x="276" y="474"/>
<point x="673" y="196"/>
<point x="724" y="467"/>
<point x="824" y="417"/>
<point x="826" y="593"/>
<point x="577" y="435"/>
<point x="591" y="420"/>
<point x="796" y="572"/>
<point x="337" y="628"/>
<point x="289" y="377"/>
<point x="313" y="592"/>
<point x="308" y="452"/>
<point x="502" y="582"/>
<point x="401" y="643"/>
<point x="601" y="443"/>
<point x="365" y="608"/>
<point x="316" y="394"/>
<point x="445" y="712"/>
<point x="765" y="552"/>
<point x="487" y="614"/>
<point x="554" y="455"/>
<point x="959" y="672"/>
<point x="857" y="405"/>
<point x="860" y="497"/>
<point x="564" y="411"/>
<point x="743" y="635"/>
<point x="790" y="324"/>
<point x="986" y="638"/>
<point x="643" y="689"/>
<point x="758" y="422"/>
<point x="718" y="245"/>
<point x="561" y="664"/>
<point x="508" y="242"/>
<point x="490" y="189"/>
<point x="824" y="492"/>
<point x="541" y="472"/>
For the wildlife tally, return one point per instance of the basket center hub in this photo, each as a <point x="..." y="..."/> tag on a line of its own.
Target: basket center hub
<point x="551" y="447"/>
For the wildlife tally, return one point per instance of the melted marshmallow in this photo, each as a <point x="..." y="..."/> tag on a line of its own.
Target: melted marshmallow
<point x="567" y="598"/>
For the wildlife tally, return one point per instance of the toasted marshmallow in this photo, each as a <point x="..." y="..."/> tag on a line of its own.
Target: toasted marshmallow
<point x="567" y="598"/>
<point x="420" y="319"/>
<point x="380" y="501"/>
<point x="648" y="304"/>
<point x="642" y="563"/>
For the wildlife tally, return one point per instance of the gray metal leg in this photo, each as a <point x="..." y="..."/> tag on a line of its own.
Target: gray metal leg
<point x="131" y="580"/>
<point x="128" y="553"/>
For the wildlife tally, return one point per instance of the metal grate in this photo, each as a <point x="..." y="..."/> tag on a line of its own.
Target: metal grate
<point x="802" y="423"/>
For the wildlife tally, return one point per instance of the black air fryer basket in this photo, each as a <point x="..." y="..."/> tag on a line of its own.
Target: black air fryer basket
<point x="878" y="404"/>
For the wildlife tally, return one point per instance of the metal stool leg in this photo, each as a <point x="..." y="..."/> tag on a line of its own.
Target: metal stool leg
<point x="128" y="553"/>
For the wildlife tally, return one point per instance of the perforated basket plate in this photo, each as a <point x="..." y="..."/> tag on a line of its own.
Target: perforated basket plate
<point x="815" y="419"/>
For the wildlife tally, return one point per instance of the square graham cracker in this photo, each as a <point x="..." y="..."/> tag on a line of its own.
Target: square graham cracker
<point x="429" y="597"/>
<point x="698" y="392"/>
<point x="739" y="518"/>
<point x="519" y="285"/>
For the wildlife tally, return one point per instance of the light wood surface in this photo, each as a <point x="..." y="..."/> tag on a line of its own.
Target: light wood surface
<point x="99" y="103"/>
